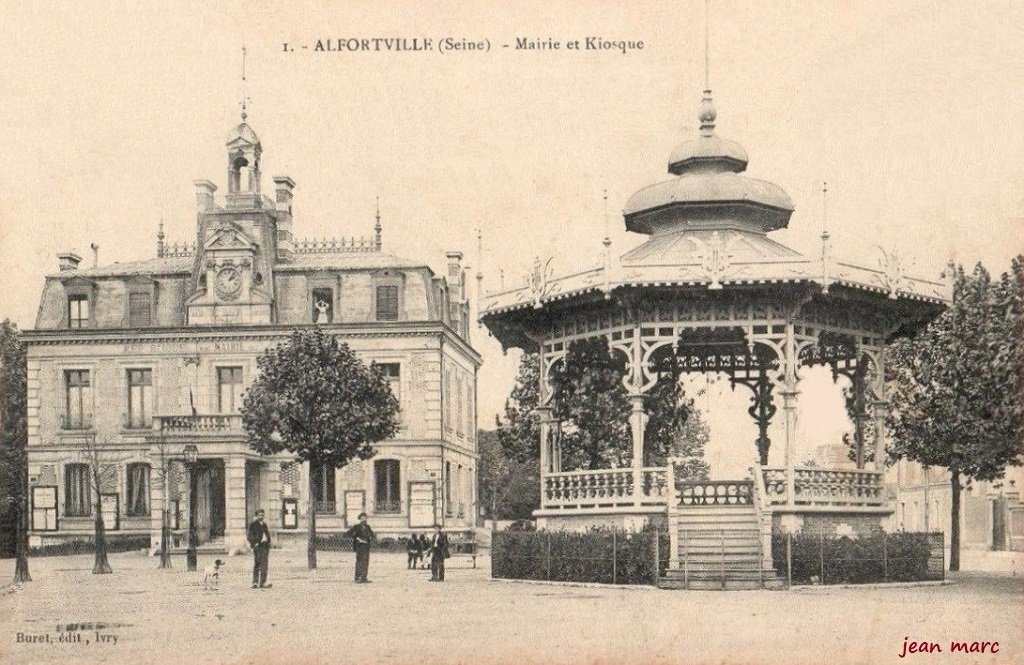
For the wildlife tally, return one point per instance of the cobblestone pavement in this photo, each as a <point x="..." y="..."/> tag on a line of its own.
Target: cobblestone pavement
<point x="322" y="617"/>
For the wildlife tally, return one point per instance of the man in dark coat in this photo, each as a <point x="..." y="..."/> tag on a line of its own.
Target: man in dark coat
<point x="259" y="541"/>
<point x="414" y="549"/>
<point x="362" y="536"/>
<point x="439" y="551"/>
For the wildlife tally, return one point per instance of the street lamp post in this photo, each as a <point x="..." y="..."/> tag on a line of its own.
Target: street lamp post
<point x="191" y="453"/>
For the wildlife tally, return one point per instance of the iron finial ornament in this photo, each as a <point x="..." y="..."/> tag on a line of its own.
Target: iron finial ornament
<point x="538" y="281"/>
<point x="244" y="98"/>
<point x="377" y="227"/>
<point x="826" y="245"/>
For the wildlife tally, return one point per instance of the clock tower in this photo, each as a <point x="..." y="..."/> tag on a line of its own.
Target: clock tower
<point x="238" y="239"/>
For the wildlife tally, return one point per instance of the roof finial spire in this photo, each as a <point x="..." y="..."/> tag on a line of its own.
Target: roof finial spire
<point x="244" y="98"/>
<point x="479" y="274"/>
<point x="377" y="228"/>
<point x="824" y="210"/>
<point x="607" y="233"/>
<point x="707" y="67"/>
<point x="826" y="246"/>
<point x="607" y="251"/>
<point x="160" y="238"/>
<point x="707" y="106"/>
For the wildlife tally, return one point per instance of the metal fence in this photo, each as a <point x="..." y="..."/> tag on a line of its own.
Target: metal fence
<point x="601" y="556"/>
<point x="895" y="557"/>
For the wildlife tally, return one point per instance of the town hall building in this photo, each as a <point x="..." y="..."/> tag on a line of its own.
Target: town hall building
<point x="140" y="368"/>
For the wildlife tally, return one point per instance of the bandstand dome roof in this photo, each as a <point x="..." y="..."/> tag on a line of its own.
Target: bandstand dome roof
<point x="708" y="228"/>
<point x="708" y="188"/>
<point x="705" y="149"/>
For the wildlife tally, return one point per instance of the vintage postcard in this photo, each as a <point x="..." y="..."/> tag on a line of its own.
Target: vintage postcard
<point x="511" y="332"/>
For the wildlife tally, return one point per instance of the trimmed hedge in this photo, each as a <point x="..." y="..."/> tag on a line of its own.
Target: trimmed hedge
<point x="893" y="557"/>
<point x="599" y="555"/>
<point x="114" y="544"/>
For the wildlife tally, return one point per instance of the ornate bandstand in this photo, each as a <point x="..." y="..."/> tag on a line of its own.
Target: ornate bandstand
<point x="711" y="292"/>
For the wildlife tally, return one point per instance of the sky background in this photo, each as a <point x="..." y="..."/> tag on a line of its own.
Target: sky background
<point x="911" y="111"/>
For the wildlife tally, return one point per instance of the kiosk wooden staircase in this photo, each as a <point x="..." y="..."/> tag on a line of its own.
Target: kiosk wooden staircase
<point x="721" y="538"/>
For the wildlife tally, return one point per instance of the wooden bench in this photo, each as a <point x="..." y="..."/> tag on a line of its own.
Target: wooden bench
<point x="463" y="544"/>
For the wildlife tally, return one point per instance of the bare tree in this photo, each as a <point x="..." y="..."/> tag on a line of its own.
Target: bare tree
<point x="100" y="467"/>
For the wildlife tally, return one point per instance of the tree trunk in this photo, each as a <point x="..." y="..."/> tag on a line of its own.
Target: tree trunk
<point x="311" y="543"/>
<point x="101" y="564"/>
<point x="954" y="522"/>
<point x="21" y="573"/>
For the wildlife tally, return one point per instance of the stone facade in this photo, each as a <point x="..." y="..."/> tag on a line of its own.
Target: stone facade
<point x="130" y="363"/>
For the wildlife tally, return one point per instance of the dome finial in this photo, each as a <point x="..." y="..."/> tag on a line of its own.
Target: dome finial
<point x="707" y="114"/>
<point x="707" y="106"/>
<point x="244" y="98"/>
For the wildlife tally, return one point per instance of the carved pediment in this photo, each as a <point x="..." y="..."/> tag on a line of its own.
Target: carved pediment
<point x="229" y="237"/>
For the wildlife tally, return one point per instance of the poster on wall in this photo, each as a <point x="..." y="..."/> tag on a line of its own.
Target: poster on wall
<point x="44" y="508"/>
<point x="421" y="505"/>
<point x="109" y="505"/>
<point x="355" y="503"/>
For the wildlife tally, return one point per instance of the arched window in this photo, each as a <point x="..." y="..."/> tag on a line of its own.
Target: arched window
<point x="239" y="175"/>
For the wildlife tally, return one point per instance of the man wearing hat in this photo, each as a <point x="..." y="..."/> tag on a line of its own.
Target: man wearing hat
<point x="362" y="536"/>
<point x="259" y="541"/>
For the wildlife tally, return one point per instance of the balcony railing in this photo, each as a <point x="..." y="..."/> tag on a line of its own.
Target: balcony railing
<point x="76" y="422"/>
<point x="716" y="493"/>
<point x="138" y="422"/>
<point x="383" y="506"/>
<point x="813" y="486"/>
<point x="208" y="424"/>
<point x="326" y="507"/>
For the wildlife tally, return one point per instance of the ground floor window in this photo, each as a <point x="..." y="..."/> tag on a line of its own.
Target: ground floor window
<point x="387" y="486"/>
<point x="76" y="490"/>
<point x="138" y="490"/>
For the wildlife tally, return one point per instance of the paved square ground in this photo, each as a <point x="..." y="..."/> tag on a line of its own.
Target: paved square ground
<point x="321" y="616"/>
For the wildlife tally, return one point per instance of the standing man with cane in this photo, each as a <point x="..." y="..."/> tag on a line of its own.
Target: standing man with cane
<point x="362" y="536"/>
<point x="259" y="541"/>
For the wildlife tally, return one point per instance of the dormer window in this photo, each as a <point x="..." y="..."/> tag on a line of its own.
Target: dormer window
<point x="140" y="309"/>
<point x="78" y="311"/>
<point x="387" y="303"/>
<point x="323" y="305"/>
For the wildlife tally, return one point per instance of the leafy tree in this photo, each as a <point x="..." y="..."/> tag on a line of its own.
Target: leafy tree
<point x="316" y="399"/>
<point x="509" y="488"/>
<point x="594" y="406"/>
<point x="674" y="429"/>
<point x="520" y="433"/>
<point x="955" y="390"/>
<point x="13" y="439"/>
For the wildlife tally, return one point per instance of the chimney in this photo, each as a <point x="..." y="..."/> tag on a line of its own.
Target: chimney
<point x="204" y="194"/>
<point x="95" y="254"/>
<point x="285" y="187"/>
<point x="69" y="261"/>
<point x="455" y="276"/>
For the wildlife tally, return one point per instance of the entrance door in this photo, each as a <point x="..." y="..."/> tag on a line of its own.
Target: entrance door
<point x="208" y="499"/>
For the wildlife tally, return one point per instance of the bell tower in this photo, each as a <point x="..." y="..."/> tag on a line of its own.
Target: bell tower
<point x="244" y="152"/>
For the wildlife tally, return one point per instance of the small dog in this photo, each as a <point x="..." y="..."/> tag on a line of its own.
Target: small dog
<point x="211" y="576"/>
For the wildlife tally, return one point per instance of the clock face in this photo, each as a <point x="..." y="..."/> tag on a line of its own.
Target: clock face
<point x="229" y="282"/>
